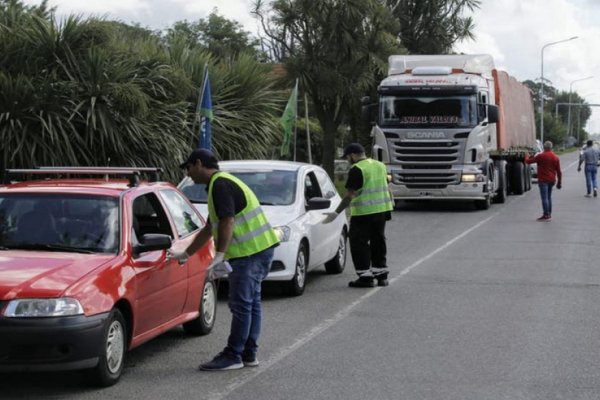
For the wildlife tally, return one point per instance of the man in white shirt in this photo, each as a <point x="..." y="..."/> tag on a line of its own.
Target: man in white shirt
<point x="590" y="156"/>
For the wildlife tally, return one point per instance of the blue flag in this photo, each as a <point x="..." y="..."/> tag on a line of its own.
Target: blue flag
<point x="206" y="114"/>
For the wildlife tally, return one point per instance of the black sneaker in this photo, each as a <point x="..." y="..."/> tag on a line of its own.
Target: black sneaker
<point x="222" y="362"/>
<point x="595" y="192"/>
<point x="361" y="282"/>
<point x="383" y="282"/>
<point x="250" y="361"/>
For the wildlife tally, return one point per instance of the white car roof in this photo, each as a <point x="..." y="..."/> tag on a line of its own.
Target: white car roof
<point x="262" y="164"/>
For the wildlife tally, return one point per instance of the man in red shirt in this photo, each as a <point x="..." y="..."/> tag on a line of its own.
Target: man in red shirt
<point x="549" y="173"/>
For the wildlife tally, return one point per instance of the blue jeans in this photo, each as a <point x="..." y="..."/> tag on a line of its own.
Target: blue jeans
<point x="590" y="177"/>
<point x="546" y="195"/>
<point x="244" y="302"/>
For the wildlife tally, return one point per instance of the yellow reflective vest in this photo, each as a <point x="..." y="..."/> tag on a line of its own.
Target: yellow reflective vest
<point x="252" y="233"/>
<point x="373" y="197"/>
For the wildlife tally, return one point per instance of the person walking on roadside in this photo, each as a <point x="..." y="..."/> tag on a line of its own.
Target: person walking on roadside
<point x="549" y="173"/>
<point x="590" y="156"/>
<point x="370" y="207"/>
<point x="244" y="238"/>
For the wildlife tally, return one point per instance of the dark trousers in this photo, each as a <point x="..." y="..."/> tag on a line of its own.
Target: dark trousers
<point x="367" y="245"/>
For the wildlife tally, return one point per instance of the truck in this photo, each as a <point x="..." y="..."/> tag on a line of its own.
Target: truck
<point x="452" y="127"/>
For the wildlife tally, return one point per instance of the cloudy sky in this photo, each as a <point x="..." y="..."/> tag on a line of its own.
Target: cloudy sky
<point x="513" y="31"/>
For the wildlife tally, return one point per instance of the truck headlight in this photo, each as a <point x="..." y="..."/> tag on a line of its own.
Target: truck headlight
<point x="61" y="307"/>
<point x="472" y="178"/>
<point x="283" y="233"/>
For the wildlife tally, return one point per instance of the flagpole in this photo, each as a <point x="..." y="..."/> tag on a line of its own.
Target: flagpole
<point x="197" y="113"/>
<point x="295" y="120"/>
<point x="307" y="128"/>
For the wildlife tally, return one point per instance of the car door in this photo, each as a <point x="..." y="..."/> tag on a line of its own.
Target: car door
<point x="161" y="282"/>
<point x="187" y="222"/>
<point x="329" y="233"/>
<point x="317" y="231"/>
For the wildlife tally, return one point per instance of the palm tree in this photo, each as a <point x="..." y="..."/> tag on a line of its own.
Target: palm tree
<point x="96" y="92"/>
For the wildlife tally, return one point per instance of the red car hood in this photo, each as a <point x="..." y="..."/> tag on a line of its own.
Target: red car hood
<point x="26" y="274"/>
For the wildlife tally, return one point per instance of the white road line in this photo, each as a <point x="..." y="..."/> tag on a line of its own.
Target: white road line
<point x="328" y="323"/>
<point x="570" y="165"/>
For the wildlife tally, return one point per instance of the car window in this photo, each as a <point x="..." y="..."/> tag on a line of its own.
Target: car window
<point x="195" y="192"/>
<point x="185" y="218"/>
<point x="327" y="187"/>
<point x="60" y="222"/>
<point x="311" y="186"/>
<point x="271" y="187"/>
<point x="149" y="217"/>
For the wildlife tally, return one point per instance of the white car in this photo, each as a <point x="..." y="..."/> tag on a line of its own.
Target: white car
<point x="294" y="196"/>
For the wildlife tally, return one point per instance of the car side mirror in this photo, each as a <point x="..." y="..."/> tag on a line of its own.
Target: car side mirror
<point x="492" y="114"/>
<point x="318" y="203"/>
<point x="152" y="242"/>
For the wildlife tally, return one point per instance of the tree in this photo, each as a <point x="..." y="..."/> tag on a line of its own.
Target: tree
<point x="335" y="49"/>
<point x="221" y="37"/>
<point x="556" y="119"/>
<point x="433" y="26"/>
<point x="90" y="92"/>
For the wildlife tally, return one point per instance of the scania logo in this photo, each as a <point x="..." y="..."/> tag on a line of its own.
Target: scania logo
<point x="425" y="135"/>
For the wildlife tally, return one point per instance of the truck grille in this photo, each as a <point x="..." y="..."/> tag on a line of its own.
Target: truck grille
<point x="427" y="163"/>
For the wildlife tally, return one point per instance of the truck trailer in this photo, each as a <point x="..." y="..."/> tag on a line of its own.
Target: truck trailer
<point x="452" y="127"/>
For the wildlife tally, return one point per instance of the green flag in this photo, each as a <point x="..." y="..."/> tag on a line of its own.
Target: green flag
<point x="288" y="120"/>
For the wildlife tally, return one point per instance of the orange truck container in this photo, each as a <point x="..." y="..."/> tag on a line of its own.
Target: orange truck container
<point x="516" y="124"/>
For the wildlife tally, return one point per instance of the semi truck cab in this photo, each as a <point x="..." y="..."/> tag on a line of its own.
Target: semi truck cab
<point x="436" y="130"/>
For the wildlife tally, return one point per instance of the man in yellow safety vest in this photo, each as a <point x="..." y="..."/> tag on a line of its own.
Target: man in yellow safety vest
<point x="244" y="238"/>
<point x="370" y="207"/>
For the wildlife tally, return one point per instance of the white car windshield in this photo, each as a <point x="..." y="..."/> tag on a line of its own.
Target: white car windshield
<point x="71" y="223"/>
<point x="272" y="187"/>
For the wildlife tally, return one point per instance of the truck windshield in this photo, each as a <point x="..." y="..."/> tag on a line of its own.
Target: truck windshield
<point x="416" y="111"/>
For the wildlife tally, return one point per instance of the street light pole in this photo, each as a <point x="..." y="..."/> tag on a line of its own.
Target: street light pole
<point x="569" y="112"/>
<point x="542" y="86"/>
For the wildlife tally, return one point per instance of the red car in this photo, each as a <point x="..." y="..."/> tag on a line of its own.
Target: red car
<point x="84" y="269"/>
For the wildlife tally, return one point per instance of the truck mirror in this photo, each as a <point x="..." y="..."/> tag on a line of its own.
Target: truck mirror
<point x="366" y="115"/>
<point x="492" y="114"/>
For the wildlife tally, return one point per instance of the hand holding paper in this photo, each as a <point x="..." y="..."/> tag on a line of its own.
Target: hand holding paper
<point x="218" y="268"/>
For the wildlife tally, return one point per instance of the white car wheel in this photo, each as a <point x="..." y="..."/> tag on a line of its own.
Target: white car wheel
<point x="295" y="287"/>
<point x="337" y="264"/>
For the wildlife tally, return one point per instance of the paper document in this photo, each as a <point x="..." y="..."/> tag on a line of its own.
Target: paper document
<point x="219" y="270"/>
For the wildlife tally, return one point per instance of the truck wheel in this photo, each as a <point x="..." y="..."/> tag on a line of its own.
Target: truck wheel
<point x="502" y="189"/>
<point x="518" y="175"/>
<point x="527" y="171"/>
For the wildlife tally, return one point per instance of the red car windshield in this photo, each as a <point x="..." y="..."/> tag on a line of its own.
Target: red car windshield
<point x="71" y="223"/>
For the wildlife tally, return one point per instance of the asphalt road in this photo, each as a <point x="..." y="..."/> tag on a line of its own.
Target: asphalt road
<point x="482" y="305"/>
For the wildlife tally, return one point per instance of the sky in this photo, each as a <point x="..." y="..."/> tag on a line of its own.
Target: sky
<point x="512" y="31"/>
